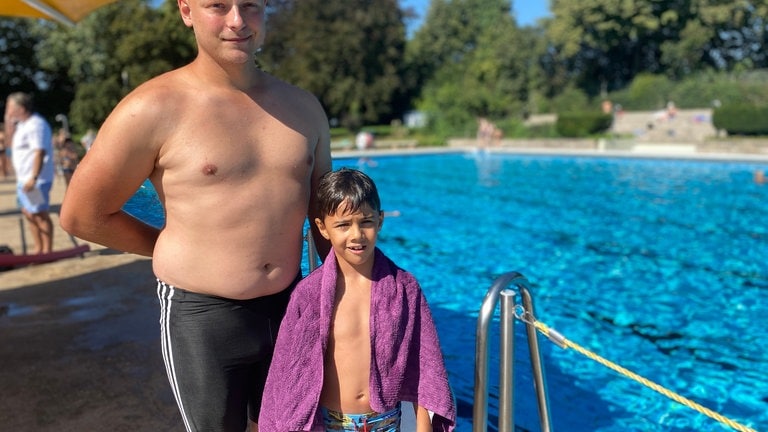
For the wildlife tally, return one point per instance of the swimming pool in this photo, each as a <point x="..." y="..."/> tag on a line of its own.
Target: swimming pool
<point x="657" y="265"/>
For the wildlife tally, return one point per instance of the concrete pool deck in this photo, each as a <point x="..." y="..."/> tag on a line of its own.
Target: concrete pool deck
<point x="79" y="338"/>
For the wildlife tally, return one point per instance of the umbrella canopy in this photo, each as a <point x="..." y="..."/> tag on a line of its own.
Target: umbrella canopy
<point x="64" y="11"/>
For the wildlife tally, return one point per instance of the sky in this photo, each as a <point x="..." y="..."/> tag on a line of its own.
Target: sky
<point x="526" y="11"/>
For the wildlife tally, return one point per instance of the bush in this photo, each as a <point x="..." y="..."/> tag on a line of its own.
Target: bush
<point x="570" y="100"/>
<point x="646" y="93"/>
<point x="378" y="130"/>
<point x="576" y="125"/>
<point x="340" y="132"/>
<point x="704" y="89"/>
<point x="741" y="119"/>
<point x="546" y="130"/>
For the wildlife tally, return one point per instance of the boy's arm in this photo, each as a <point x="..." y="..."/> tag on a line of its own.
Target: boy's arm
<point x="423" y="423"/>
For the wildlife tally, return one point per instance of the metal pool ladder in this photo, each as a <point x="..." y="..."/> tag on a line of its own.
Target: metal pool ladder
<point x="507" y="357"/>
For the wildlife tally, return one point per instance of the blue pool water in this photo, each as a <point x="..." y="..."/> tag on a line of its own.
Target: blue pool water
<point x="657" y="265"/>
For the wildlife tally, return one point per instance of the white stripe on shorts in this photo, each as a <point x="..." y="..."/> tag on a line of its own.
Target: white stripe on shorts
<point x="165" y="294"/>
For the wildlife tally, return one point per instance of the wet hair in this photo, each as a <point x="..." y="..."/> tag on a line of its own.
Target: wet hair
<point x="348" y="185"/>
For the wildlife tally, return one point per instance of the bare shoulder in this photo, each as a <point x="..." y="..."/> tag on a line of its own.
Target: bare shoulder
<point x="296" y="108"/>
<point x="284" y="87"/>
<point x="147" y="116"/>
<point x="154" y="100"/>
<point x="301" y="99"/>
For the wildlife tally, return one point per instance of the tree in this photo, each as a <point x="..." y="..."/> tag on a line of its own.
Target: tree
<point x="606" y="43"/>
<point x="471" y="58"/>
<point x="450" y="32"/>
<point x="547" y="75"/>
<point x="346" y="52"/>
<point x="19" y="70"/>
<point x="721" y="36"/>
<point x="112" y="51"/>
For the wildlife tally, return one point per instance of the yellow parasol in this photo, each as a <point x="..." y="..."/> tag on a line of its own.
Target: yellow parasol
<point x="64" y="11"/>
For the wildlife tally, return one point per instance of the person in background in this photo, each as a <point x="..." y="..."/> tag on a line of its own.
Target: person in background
<point x="484" y="132"/>
<point x="358" y="338"/>
<point x="5" y="145"/>
<point x="87" y="140"/>
<point x="234" y="155"/>
<point x="68" y="158"/>
<point x="759" y="177"/>
<point x="58" y="142"/>
<point x="32" y="158"/>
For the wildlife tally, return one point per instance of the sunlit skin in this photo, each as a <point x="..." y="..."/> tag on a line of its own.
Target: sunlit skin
<point x="229" y="31"/>
<point x="353" y="237"/>
<point x="218" y="138"/>
<point x="353" y="240"/>
<point x="233" y="152"/>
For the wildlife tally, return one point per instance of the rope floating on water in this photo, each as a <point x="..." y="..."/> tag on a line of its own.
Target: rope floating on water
<point x="564" y="343"/>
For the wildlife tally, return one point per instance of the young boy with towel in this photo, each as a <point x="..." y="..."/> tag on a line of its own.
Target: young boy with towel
<point x="358" y="336"/>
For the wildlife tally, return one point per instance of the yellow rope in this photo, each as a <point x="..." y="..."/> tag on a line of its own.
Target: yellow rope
<point x="565" y="343"/>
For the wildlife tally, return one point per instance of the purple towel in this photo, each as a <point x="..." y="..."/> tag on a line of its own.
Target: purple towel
<point x="406" y="364"/>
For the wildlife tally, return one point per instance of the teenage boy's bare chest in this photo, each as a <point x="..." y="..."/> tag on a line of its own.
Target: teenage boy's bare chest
<point x="229" y="147"/>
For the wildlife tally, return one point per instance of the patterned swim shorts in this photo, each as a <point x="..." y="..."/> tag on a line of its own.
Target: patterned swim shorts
<point x="368" y="422"/>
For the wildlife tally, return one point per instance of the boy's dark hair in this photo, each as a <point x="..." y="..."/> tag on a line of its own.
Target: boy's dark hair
<point x="346" y="184"/>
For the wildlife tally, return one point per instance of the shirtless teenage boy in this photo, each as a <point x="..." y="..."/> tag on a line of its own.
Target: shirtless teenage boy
<point x="234" y="155"/>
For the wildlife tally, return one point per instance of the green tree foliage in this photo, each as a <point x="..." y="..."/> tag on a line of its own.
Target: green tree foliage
<point x="450" y="33"/>
<point x="470" y="55"/>
<point x="546" y="76"/>
<point x="346" y="52"/>
<point x="19" y="70"/>
<point x="112" y="51"/>
<point x="650" y="91"/>
<point x="606" y="43"/>
<point x="722" y="35"/>
<point x="468" y="59"/>
<point x="582" y="124"/>
<point x="698" y="90"/>
<point x="571" y="99"/>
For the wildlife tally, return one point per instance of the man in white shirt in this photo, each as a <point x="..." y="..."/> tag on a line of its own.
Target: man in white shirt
<point x="32" y="158"/>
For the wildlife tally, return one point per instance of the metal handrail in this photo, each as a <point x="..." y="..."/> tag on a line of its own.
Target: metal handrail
<point x="506" y="347"/>
<point x="537" y="366"/>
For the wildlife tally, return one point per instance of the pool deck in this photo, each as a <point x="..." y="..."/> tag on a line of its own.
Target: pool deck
<point x="11" y="220"/>
<point x="753" y="150"/>
<point x="78" y="337"/>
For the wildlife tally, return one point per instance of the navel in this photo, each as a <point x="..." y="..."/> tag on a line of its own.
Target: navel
<point x="210" y="169"/>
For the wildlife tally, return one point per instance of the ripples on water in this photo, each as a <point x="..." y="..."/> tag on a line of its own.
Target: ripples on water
<point x="657" y="265"/>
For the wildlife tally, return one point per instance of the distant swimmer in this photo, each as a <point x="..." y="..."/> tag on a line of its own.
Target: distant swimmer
<point x="366" y="161"/>
<point x="760" y="177"/>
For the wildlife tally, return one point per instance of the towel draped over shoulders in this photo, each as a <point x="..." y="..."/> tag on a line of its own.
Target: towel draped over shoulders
<point x="406" y="361"/>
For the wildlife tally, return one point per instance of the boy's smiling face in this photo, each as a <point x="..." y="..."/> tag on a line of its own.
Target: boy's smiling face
<point x="352" y="235"/>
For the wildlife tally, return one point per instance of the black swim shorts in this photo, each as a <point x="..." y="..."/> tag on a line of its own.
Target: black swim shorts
<point x="217" y="353"/>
